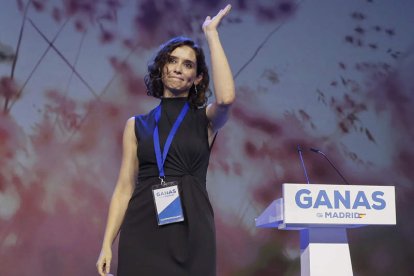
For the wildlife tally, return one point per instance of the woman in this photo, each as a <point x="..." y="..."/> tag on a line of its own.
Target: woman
<point x="180" y="132"/>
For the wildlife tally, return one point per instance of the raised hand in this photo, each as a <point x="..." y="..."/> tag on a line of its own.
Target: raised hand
<point x="211" y="24"/>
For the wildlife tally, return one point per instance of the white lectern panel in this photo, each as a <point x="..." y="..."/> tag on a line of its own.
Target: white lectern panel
<point x="339" y="204"/>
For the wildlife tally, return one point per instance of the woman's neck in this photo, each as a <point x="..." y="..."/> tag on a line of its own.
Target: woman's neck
<point x="169" y="94"/>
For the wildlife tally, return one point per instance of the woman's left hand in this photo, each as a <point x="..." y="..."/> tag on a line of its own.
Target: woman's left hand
<point x="211" y="24"/>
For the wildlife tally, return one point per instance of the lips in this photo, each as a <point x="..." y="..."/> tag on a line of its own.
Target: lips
<point x="176" y="78"/>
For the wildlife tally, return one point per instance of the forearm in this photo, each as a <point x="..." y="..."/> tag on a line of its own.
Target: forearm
<point x="222" y="76"/>
<point x="116" y="214"/>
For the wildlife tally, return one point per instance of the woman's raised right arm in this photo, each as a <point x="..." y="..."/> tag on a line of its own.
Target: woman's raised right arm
<point x="121" y="196"/>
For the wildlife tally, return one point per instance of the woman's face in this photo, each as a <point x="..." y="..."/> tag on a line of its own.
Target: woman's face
<point x="180" y="72"/>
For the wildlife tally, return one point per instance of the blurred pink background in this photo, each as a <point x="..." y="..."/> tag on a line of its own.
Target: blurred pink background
<point x="336" y="75"/>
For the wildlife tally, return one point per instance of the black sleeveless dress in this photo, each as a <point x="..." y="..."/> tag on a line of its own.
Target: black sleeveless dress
<point x="178" y="249"/>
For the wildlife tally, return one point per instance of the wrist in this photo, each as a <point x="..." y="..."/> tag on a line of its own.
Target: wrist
<point x="211" y="34"/>
<point x="106" y="245"/>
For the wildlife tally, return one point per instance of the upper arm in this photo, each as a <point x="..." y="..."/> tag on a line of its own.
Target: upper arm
<point x="217" y="114"/>
<point x="129" y="165"/>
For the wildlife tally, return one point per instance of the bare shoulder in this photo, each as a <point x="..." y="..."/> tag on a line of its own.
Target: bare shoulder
<point x="210" y="110"/>
<point x="131" y="121"/>
<point x="129" y="131"/>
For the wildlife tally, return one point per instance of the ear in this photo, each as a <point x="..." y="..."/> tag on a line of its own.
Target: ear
<point x="198" y="79"/>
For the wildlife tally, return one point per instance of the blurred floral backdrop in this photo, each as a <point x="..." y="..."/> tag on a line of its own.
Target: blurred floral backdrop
<point x="331" y="74"/>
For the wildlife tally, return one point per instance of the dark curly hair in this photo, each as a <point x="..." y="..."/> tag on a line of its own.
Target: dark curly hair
<point x="153" y="79"/>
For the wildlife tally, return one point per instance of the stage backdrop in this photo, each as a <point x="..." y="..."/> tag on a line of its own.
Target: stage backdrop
<point x="336" y="75"/>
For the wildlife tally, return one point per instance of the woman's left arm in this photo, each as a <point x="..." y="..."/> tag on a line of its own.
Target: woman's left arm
<point x="218" y="111"/>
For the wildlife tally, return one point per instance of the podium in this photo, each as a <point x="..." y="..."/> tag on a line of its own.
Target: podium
<point x="322" y="213"/>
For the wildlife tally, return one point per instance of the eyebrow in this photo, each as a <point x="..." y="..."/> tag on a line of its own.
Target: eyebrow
<point x="185" y="60"/>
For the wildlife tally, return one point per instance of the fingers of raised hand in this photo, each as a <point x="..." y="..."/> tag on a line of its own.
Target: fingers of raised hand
<point x="212" y="23"/>
<point x="224" y="12"/>
<point x="227" y="9"/>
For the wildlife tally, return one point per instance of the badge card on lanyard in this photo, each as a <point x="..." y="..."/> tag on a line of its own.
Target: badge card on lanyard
<point x="167" y="194"/>
<point x="167" y="203"/>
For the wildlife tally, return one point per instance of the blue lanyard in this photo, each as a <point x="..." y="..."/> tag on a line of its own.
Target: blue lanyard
<point x="157" y="147"/>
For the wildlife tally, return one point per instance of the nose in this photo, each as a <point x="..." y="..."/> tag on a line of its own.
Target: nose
<point x="177" y="68"/>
